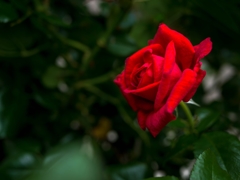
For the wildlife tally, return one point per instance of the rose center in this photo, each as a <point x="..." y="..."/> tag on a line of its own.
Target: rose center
<point x="139" y="74"/>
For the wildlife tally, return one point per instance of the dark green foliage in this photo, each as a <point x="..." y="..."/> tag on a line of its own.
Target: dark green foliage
<point x="207" y="167"/>
<point x="129" y="172"/>
<point x="163" y="178"/>
<point x="225" y="148"/>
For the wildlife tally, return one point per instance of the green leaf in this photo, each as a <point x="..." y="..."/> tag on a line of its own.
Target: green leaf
<point x="163" y="178"/>
<point x="225" y="147"/>
<point x="181" y="145"/>
<point x="207" y="118"/>
<point x="7" y="13"/>
<point x="72" y="161"/>
<point x="129" y="172"/>
<point x="18" y="165"/>
<point x="207" y="167"/>
<point x="178" y="123"/>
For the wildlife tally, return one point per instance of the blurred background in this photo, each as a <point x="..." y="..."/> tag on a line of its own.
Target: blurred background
<point x="61" y="115"/>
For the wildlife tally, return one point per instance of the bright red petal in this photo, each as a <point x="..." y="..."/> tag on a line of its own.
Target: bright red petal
<point x="142" y="117"/>
<point x="143" y="104"/>
<point x="165" y="87"/>
<point x="201" y="50"/>
<point x="170" y="56"/>
<point x="184" y="48"/>
<point x="119" y="80"/>
<point x="182" y="87"/>
<point x="147" y="92"/>
<point x="171" y="74"/>
<point x="156" y="121"/>
<point x="137" y="58"/>
<point x="147" y="78"/>
<point x="200" y="75"/>
<point x="157" y="66"/>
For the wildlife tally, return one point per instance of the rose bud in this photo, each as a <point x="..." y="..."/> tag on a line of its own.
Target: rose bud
<point x="161" y="75"/>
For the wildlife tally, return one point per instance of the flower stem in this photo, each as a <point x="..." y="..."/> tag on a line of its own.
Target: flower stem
<point x="189" y="115"/>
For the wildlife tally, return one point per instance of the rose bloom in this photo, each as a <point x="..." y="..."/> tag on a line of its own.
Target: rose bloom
<point x="161" y="75"/>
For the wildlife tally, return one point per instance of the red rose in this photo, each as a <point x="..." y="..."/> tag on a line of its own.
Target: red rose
<point x="159" y="76"/>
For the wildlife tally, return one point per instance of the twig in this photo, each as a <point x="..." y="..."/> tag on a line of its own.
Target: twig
<point x="22" y="53"/>
<point x="97" y="80"/>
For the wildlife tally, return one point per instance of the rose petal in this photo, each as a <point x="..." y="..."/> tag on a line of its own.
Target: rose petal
<point x="136" y="75"/>
<point x="142" y="117"/>
<point x="147" y="56"/>
<point x="136" y="103"/>
<point x="170" y="56"/>
<point x="182" y="87"/>
<point x="165" y="86"/>
<point x="137" y="58"/>
<point x="156" y="121"/>
<point x="184" y="48"/>
<point x="150" y="41"/>
<point x="143" y="104"/>
<point x="146" y="77"/>
<point x="200" y="75"/>
<point x="171" y="74"/>
<point x="147" y="92"/>
<point x="119" y="81"/>
<point x="157" y="66"/>
<point x="201" y="50"/>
